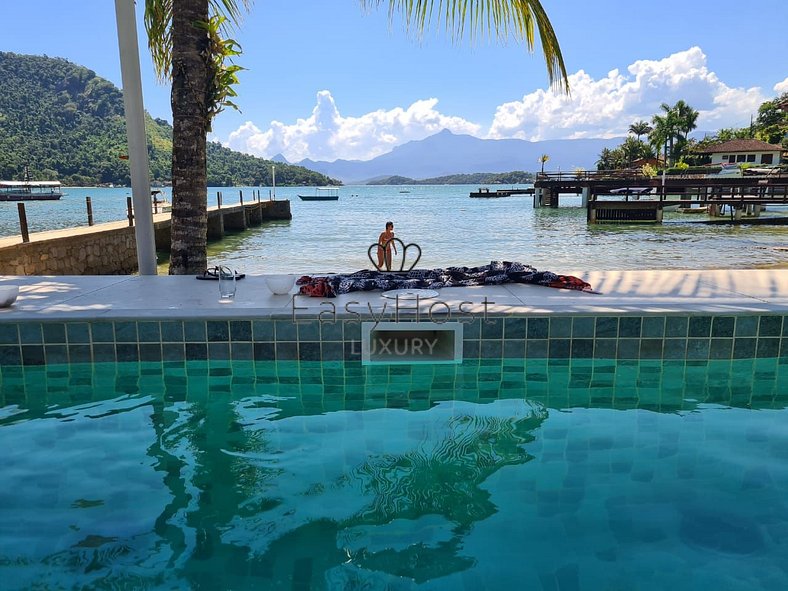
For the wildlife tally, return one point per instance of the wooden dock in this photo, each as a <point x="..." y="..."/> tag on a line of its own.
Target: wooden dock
<point x="615" y="197"/>
<point x="485" y="193"/>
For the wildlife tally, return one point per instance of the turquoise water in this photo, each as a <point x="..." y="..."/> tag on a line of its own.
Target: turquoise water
<point x="451" y="228"/>
<point x="490" y="475"/>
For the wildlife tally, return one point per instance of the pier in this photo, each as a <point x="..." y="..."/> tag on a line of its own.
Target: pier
<point x="485" y="193"/>
<point x="110" y="248"/>
<point x="611" y="196"/>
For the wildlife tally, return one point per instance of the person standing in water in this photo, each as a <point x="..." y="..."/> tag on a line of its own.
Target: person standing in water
<point x="385" y="245"/>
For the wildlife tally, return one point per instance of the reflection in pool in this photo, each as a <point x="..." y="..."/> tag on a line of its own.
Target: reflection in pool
<point x="493" y="474"/>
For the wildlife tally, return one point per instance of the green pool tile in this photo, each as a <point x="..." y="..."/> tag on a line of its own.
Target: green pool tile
<point x="746" y="326"/>
<point x="628" y="349"/>
<point x="54" y="333"/>
<point x="196" y="351"/>
<point x="308" y="330"/>
<point x="582" y="348"/>
<point x="330" y="331"/>
<point x="721" y="348"/>
<point x="30" y="333"/>
<point x="240" y="330"/>
<point x="559" y="348"/>
<point x="173" y="352"/>
<point x="770" y="326"/>
<point x="605" y="348"/>
<point x="149" y="332"/>
<point x="33" y="355"/>
<point x="723" y="326"/>
<point x="583" y="327"/>
<point x="653" y="327"/>
<point x="263" y="330"/>
<point x="699" y="326"/>
<point x="538" y="328"/>
<point x="125" y="332"/>
<point x="492" y="328"/>
<point x="515" y="328"/>
<point x="514" y="349"/>
<point x="351" y="330"/>
<point x="606" y="327"/>
<point x="217" y="331"/>
<point x="629" y="327"/>
<point x="768" y="347"/>
<point x="676" y="326"/>
<point x="674" y="349"/>
<point x="744" y="348"/>
<point x="560" y="327"/>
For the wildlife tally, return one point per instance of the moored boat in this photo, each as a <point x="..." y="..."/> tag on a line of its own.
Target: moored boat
<point x="30" y="190"/>
<point x="321" y="194"/>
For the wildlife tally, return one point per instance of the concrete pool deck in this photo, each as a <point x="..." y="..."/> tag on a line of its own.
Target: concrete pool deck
<point x="731" y="292"/>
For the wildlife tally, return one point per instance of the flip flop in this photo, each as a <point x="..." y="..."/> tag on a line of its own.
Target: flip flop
<point x="213" y="275"/>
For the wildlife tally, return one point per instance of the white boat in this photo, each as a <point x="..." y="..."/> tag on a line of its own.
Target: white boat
<point x="159" y="202"/>
<point x="30" y="190"/>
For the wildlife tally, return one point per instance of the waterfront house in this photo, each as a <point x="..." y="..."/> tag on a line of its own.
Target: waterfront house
<point x="743" y="151"/>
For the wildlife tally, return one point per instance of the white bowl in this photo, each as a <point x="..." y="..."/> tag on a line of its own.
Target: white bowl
<point x="280" y="284"/>
<point x="8" y="294"/>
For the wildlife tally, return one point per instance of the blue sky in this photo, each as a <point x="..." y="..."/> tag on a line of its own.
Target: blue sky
<point x="326" y="80"/>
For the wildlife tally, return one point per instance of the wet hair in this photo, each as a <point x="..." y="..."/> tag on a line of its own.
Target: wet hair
<point x="389" y="224"/>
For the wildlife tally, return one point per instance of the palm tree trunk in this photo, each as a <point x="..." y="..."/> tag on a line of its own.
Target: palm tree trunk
<point x="189" y="131"/>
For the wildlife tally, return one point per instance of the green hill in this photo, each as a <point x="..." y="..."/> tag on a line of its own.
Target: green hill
<point x="517" y="177"/>
<point x="67" y="124"/>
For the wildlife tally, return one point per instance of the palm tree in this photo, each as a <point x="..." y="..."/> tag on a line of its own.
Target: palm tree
<point x="543" y="158"/>
<point x="639" y="128"/>
<point x="606" y="160"/>
<point x="686" y="118"/>
<point x="189" y="45"/>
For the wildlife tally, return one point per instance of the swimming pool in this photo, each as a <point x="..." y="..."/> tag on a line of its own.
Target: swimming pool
<point x="492" y="474"/>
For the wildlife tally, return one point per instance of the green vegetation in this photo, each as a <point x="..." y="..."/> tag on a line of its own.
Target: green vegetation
<point x="669" y="134"/>
<point x="67" y="124"/>
<point x="517" y="177"/>
<point x="770" y="126"/>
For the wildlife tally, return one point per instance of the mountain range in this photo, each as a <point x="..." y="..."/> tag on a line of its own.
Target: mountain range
<point x="446" y="153"/>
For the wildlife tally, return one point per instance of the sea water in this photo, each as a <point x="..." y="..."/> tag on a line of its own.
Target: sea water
<point x="450" y="228"/>
<point x="492" y="475"/>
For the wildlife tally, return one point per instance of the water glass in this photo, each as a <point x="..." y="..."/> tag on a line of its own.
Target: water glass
<point x="226" y="284"/>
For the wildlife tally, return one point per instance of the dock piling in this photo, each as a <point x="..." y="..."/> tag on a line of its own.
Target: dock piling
<point x="89" y="205"/>
<point x="23" y="222"/>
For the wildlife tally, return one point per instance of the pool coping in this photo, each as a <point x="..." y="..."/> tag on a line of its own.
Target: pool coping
<point x="636" y="292"/>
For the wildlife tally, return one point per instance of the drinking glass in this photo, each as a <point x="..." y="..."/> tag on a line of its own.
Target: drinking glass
<point x="226" y="284"/>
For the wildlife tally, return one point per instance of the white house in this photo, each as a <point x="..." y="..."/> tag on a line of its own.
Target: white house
<point x="741" y="151"/>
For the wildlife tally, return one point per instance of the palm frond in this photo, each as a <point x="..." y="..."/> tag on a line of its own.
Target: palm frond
<point x="501" y="19"/>
<point x="158" y="25"/>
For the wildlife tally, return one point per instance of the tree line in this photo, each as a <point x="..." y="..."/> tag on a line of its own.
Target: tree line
<point x="667" y="136"/>
<point x="516" y="177"/>
<point x="66" y="123"/>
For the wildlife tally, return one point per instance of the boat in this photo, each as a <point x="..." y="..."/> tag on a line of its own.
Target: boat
<point x="321" y="194"/>
<point x="160" y="203"/>
<point x="28" y="190"/>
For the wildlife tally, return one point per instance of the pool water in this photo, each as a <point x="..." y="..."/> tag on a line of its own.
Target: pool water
<point x="489" y="475"/>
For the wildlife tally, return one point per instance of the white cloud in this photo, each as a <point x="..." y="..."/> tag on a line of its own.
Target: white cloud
<point x="606" y="107"/>
<point x="327" y="135"/>
<point x="596" y="108"/>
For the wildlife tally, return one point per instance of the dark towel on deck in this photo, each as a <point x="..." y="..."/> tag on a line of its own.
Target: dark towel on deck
<point x="495" y="273"/>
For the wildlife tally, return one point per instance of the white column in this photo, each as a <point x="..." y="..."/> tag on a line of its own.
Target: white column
<point x="135" y="131"/>
<point x="585" y="194"/>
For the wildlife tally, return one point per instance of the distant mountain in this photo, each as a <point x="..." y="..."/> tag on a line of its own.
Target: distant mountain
<point x="446" y="153"/>
<point x="67" y="124"/>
